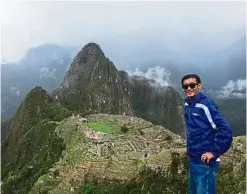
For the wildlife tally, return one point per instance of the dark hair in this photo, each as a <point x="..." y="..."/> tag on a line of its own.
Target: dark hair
<point x="198" y="80"/>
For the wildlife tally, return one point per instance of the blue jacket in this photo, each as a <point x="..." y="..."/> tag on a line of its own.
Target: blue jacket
<point x="207" y="129"/>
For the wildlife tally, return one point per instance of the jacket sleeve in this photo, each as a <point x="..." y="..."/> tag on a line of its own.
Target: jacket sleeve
<point x="223" y="137"/>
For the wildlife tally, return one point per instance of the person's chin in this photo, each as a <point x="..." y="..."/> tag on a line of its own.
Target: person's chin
<point x="190" y="94"/>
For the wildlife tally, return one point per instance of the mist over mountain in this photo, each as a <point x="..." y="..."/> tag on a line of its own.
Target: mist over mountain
<point x="207" y="64"/>
<point x="47" y="64"/>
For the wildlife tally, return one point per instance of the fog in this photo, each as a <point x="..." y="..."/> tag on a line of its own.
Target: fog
<point x="159" y="74"/>
<point x="233" y="89"/>
<point x="160" y="40"/>
<point x="122" y="29"/>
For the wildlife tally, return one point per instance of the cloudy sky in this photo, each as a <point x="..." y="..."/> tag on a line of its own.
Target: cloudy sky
<point x="118" y="26"/>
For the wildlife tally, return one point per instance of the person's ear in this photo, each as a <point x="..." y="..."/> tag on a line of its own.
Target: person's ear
<point x="200" y="86"/>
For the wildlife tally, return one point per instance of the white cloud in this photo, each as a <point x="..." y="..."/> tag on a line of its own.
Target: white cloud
<point x="14" y="88"/>
<point x="233" y="89"/>
<point x="157" y="73"/>
<point x="178" y="25"/>
<point x="46" y="72"/>
<point x="18" y="92"/>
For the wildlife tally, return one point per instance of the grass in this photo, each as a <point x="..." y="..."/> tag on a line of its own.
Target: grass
<point x="104" y="127"/>
<point x="110" y="127"/>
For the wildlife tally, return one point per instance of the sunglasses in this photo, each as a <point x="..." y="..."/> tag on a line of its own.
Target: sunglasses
<point x="191" y="85"/>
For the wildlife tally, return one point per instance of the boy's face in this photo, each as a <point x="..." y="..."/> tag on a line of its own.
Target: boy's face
<point x="191" y="87"/>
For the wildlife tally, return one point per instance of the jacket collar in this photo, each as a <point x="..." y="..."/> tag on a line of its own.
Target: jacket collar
<point x="196" y="98"/>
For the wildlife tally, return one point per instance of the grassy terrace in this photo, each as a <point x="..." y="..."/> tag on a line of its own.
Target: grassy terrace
<point x="110" y="127"/>
<point x="103" y="127"/>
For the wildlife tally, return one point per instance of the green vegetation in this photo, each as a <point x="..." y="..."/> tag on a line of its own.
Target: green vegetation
<point x="229" y="182"/>
<point x="73" y="101"/>
<point x="148" y="181"/>
<point x="111" y="127"/>
<point x="45" y="184"/>
<point x="33" y="147"/>
<point x="103" y="127"/>
<point x="39" y="148"/>
<point x="124" y="129"/>
<point x="151" y="182"/>
<point x="5" y="128"/>
<point x="92" y="189"/>
<point x="56" y="112"/>
<point x="72" y="134"/>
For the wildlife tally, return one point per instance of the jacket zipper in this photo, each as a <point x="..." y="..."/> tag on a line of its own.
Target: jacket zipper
<point x="189" y="111"/>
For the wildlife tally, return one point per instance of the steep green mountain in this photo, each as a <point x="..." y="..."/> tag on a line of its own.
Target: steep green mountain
<point x="32" y="146"/>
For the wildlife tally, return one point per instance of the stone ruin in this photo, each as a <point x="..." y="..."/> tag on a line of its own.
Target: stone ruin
<point x="93" y="134"/>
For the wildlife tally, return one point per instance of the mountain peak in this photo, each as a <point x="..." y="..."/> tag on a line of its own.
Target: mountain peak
<point x="89" y="52"/>
<point x="93" y="83"/>
<point x="90" y="60"/>
<point x="37" y="97"/>
<point x="92" y="45"/>
<point x="37" y="89"/>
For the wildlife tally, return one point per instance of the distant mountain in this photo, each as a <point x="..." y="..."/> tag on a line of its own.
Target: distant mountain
<point x="44" y="65"/>
<point x="236" y="60"/>
<point x="234" y="110"/>
<point x="228" y="64"/>
<point x="222" y="66"/>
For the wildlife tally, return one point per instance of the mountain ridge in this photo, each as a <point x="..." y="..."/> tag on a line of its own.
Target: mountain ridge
<point x="13" y="94"/>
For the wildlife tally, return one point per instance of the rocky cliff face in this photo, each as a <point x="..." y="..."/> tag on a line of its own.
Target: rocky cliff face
<point x="160" y="105"/>
<point x="93" y="84"/>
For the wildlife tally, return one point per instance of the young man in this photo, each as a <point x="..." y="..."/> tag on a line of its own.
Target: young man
<point x="208" y="136"/>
